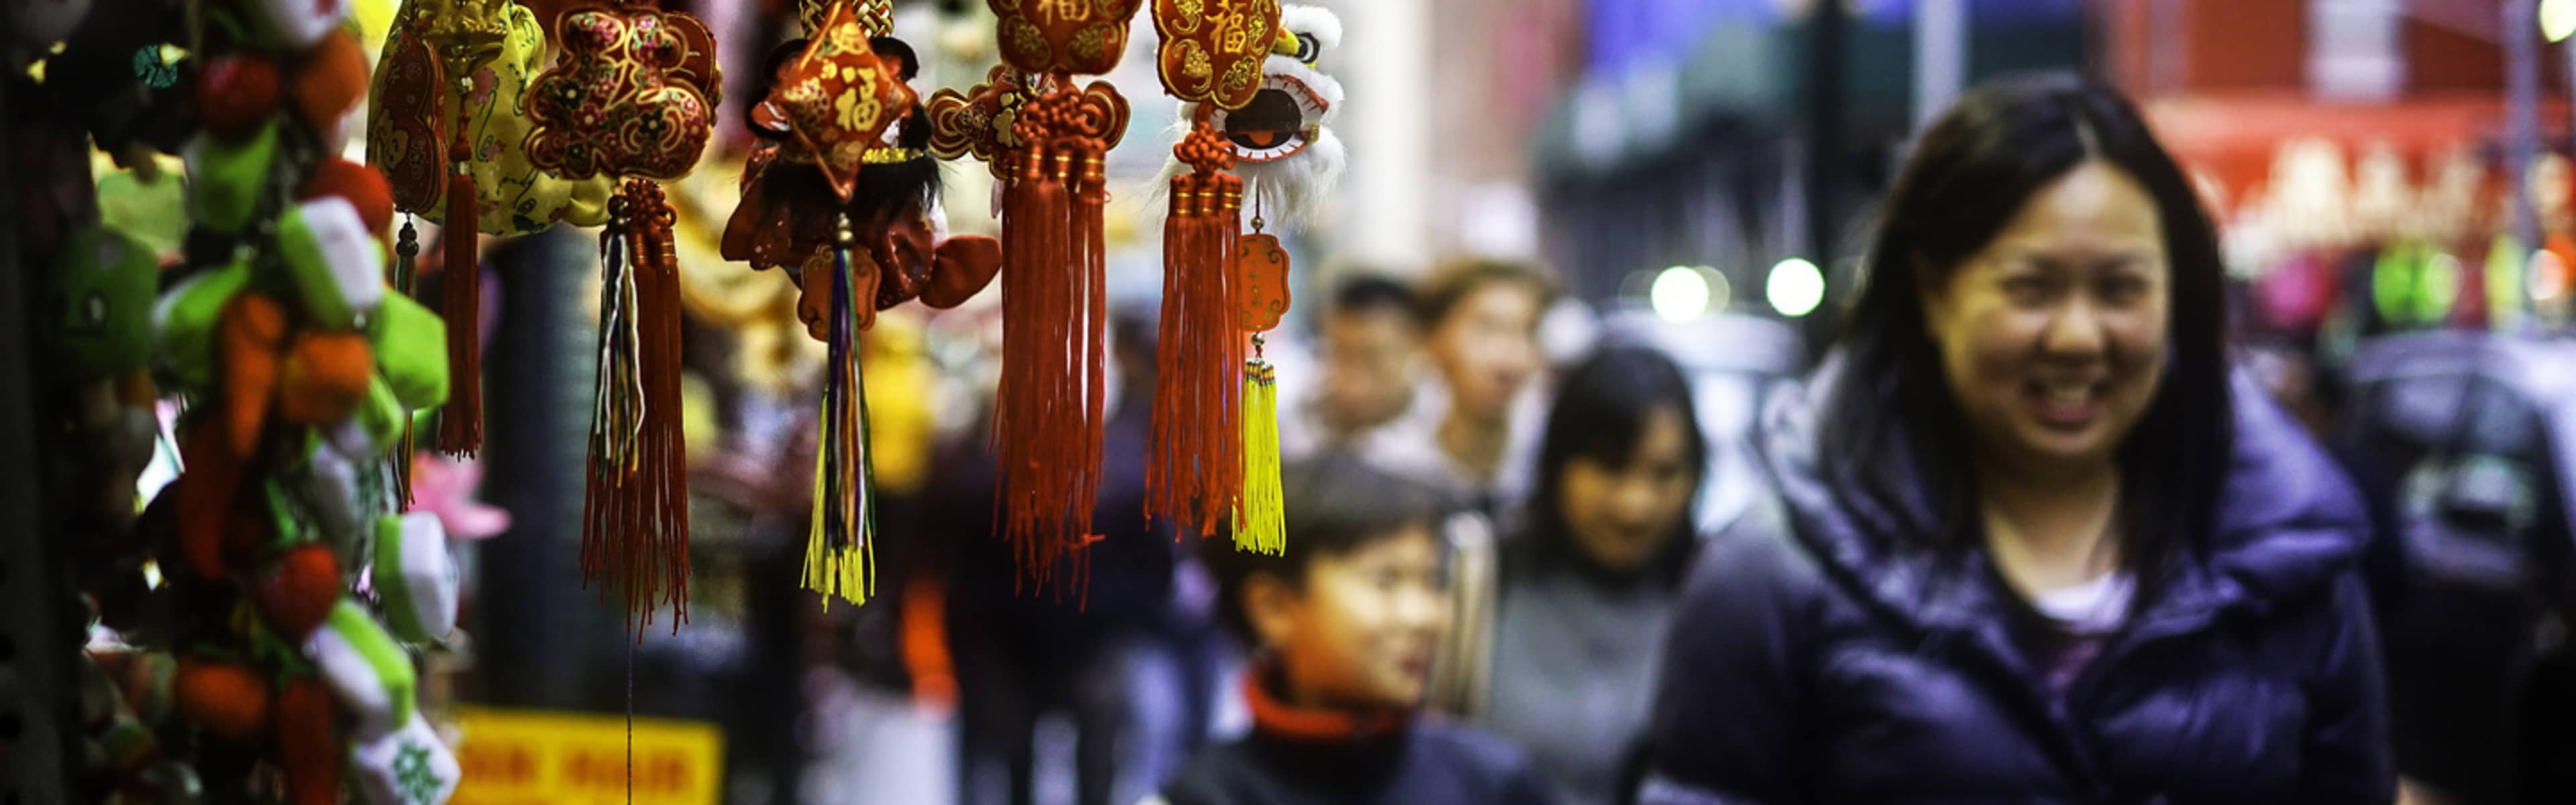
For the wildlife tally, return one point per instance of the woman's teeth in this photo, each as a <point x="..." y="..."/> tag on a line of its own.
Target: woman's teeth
<point x="2070" y="394"/>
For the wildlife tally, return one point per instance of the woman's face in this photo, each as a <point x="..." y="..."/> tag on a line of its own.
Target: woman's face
<point x="2053" y="336"/>
<point x="1620" y="514"/>
<point x="1487" y="347"/>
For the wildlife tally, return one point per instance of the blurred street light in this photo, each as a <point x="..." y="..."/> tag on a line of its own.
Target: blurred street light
<point x="1795" y="288"/>
<point x="1680" y="294"/>
<point x="2557" y="19"/>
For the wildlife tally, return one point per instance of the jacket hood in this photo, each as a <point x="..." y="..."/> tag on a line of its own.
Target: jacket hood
<point x="2287" y="520"/>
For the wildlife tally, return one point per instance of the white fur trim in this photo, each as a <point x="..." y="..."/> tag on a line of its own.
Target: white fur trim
<point x="1314" y="21"/>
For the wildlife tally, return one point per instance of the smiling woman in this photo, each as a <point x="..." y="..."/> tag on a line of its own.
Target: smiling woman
<point x="2031" y="542"/>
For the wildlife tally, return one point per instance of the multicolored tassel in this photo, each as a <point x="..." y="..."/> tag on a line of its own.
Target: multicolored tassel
<point x="635" y="516"/>
<point x="843" y="523"/>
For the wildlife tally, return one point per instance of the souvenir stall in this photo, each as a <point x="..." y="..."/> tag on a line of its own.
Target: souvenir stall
<point x="2347" y="221"/>
<point x="286" y="281"/>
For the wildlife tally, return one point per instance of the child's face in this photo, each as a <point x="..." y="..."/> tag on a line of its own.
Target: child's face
<point x="1362" y="630"/>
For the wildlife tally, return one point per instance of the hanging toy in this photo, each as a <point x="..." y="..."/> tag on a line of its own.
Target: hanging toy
<point x="633" y="95"/>
<point x="1210" y="53"/>
<point x="1049" y="141"/>
<point x="301" y="369"/>
<point x="843" y="195"/>
<point x="1275" y="133"/>
<point x="1282" y="139"/>
<point x="463" y="35"/>
<point x="407" y="126"/>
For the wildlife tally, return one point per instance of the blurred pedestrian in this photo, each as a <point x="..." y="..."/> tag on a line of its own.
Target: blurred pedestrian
<point x="1344" y="623"/>
<point x="2032" y="543"/>
<point x="1025" y="651"/>
<point x="1587" y="587"/>
<point x="1370" y="349"/>
<point x="1480" y="321"/>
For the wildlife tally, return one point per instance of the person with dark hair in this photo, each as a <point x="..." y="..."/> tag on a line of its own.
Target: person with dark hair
<point x="2033" y="540"/>
<point x="1368" y="344"/>
<point x="1480" y="319"/>
<point x="1584" y="593"/>
<point x="1344" y="621"/>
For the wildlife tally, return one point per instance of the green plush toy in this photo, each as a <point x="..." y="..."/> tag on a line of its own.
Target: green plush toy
<point x="410" y="344"/>
<point x="186" y="319"/>
<point x="336" y="265"/>
<point x="103" y="297"/>
<point x="225" y="177"/>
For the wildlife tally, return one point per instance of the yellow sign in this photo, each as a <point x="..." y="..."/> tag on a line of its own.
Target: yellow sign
<point x="539" y="757"/>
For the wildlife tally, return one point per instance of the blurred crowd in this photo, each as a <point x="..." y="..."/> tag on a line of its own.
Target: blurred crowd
<point x="2042" y="521"/>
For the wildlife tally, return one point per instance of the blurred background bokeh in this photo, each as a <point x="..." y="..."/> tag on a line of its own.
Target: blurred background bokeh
<point x="2391" y="178"/>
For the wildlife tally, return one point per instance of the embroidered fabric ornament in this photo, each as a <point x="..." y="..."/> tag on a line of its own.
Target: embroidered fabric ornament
<point x="635" y="529"/>
<point x="978" y="122"/>
<point x="407" y="123"/>
<point x="838" y="97"/>
<point x="619" y="101"/>
<point x="1195" y="473"/>
<point x="1211" y="51"/>
<point x="1063" y="37"/>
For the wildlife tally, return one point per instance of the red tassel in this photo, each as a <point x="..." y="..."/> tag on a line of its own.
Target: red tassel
<point x="1195" y="478"/>
<point x="460" y="425"/>
<point x="635" y="526"/>
<point x="1046" y="428"/>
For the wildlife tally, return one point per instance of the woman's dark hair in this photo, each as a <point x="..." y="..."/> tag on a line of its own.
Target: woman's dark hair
<point x="1333" y="505"/>
<point x="1970" y="174"/>
<point x="1601" y="412"/>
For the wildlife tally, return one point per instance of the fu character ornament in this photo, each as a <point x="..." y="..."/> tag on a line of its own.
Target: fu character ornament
<point x="842" y="194"/>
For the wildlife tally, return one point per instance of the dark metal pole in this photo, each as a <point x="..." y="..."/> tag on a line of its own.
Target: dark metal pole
<point x="1825" y="150"/>
<point x="2522" y="139"/>
<point x="36" y="701"/>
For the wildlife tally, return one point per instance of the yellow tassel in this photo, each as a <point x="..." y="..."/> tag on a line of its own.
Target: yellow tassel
<point x="838" y="560"/>
<point x="1259" y="523"/>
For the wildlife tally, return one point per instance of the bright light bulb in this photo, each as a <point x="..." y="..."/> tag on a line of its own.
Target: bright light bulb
<point x="1680" y="294"/>
<point x="2557" y="19"/>
<point x="1796" y="287"/>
